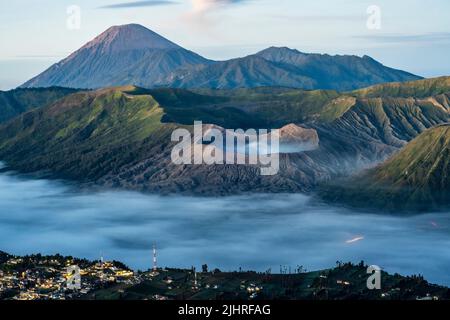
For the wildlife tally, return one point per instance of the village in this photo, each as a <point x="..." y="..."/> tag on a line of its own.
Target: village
<point x="46" y="278"/>
<point x="38" y="277"/>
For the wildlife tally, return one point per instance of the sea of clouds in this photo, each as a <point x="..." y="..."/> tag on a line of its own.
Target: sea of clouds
<point x="254" y="232"/>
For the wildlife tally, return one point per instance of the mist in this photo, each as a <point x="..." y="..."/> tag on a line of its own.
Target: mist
<point x="254" y="232"/>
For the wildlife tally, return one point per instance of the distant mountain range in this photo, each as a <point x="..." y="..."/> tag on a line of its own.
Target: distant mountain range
<point x="134" y="55"/>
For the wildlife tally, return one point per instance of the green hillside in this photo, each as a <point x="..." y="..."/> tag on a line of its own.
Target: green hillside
<point x="252" y="108"/>
<point x="417" y="178"/>
<point x="418" y="89"/>
<point x="15" y="102"/>
<point x="84" y="135"/>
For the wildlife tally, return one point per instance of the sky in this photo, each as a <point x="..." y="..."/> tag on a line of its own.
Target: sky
<point x="412" y="35"/>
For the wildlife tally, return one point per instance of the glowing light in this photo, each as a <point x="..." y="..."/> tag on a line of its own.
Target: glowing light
<point x="354" y="240"/>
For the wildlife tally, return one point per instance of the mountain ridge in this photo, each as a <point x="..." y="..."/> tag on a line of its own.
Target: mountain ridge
<point x="120" y="137"/>
<point x="17" y="101"/>
<point x="133" y="54"/>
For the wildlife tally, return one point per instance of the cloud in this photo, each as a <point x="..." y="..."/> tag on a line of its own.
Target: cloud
<point x="432" y="37"/>
<point x="202" y="6"/>
<point x="201" y="11"/>
<point x="137" y="4"/>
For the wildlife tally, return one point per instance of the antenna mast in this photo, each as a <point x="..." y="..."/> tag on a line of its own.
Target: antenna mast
<point x="155" y="265"/>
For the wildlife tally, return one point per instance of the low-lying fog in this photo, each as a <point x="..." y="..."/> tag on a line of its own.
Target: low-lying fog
<point x="253" y="232"/>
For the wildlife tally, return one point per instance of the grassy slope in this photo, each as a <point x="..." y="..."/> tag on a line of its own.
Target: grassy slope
<point x="423" y="162"/>
<point x="420" y="173"/>
<point x="84" y="135"/>
<point x="419" y="89"/>
<point x="17" y="101"/>
<point x="417" y="178"/>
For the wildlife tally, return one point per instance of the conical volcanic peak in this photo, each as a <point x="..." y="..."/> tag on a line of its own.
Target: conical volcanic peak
<point x="122" y="55"/>
<point x="129" y="37"/>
